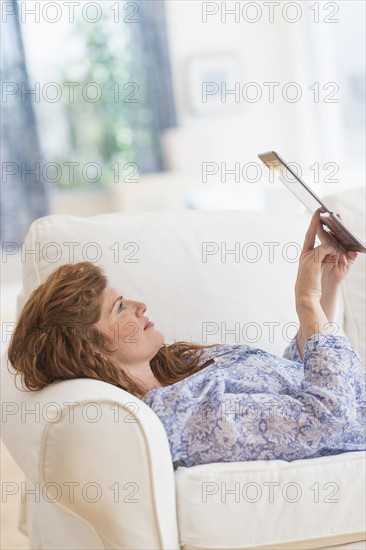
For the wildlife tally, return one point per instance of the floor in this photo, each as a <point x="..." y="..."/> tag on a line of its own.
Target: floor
<point x="11" y="476"/>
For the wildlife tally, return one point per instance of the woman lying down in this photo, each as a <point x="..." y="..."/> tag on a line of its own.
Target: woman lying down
<point x="217" y="403"/>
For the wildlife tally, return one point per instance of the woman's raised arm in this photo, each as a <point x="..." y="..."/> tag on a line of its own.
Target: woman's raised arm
<point x="308" y="287"/>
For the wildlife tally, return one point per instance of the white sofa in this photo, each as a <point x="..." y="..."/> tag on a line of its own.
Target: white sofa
<point x="97" y="460"/>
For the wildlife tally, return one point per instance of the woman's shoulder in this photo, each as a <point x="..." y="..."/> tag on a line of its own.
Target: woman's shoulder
<point x="209" y="351"/>
<point x="216" y="350"/>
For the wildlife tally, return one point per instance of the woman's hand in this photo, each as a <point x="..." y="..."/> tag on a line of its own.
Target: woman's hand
<point x="308" y="287"/>
<point x="336" y="268"/>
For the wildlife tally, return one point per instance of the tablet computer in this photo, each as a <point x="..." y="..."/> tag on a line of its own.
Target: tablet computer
<point x="331" y="223"/>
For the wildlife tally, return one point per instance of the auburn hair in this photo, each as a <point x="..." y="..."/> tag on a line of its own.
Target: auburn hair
<point x="55" y="337"/>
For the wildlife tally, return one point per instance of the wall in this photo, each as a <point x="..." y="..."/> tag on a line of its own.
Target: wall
<point x="305" y="132"/>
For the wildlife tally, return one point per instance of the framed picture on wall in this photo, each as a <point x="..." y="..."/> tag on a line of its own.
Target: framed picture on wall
<point x="210" y="77"/>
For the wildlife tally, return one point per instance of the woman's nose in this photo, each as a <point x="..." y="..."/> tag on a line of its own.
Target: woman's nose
<point x="141" y="307"/>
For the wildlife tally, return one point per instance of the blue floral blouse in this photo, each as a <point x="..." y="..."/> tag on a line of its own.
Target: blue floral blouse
<point x="252" y="405"/>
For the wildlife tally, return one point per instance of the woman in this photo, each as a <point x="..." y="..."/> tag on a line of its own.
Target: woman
<point x="218" y="403"/>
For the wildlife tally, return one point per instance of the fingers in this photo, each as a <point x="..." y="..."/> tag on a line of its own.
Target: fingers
<point x="352" y="255"/>
<point x="322" y="234"/>
<point x="331" y="259"/>
<point x="311" y="232"/>
<point x="343" y="260"/>
<point x="324" y="250"/>
<point x="330" y="253"/>
<point x="329" y="245"/>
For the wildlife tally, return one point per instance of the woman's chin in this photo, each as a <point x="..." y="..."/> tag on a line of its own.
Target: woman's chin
<point x="159" y="335"/>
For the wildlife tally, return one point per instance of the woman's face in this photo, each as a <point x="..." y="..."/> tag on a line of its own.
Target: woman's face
<point x="124" y="322"/>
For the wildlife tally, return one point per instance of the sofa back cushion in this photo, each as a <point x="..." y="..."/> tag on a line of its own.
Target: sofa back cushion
<point x="351" y="206"/>
<point x="210" y="277"/>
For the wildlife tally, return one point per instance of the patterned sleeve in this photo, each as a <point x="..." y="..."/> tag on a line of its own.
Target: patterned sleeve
<point x="331" y="369"/>
<point x="292" y="352"/>
<point x="282" y="426"/>
<point x="327" y="400"/>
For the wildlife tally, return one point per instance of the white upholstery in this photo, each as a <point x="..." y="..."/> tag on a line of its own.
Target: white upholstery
<point x="68" y="439"/>
<point x="271" y="503"/>
<point x="157" y="508"/>
<point x="351" y="206"/>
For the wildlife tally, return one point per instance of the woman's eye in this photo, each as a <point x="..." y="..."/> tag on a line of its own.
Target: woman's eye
<point x="120" y="307"/>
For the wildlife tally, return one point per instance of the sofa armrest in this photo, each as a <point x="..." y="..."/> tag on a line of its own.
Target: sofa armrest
<point x="109" y="463"/>
<point x="97" y="463"/>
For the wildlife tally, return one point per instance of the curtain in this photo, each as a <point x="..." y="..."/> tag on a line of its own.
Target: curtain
<point x="152" y="71"/>
<point x="24" y="196"/>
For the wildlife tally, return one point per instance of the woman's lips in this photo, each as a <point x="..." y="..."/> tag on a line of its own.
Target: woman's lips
<point x="150" y="324"/>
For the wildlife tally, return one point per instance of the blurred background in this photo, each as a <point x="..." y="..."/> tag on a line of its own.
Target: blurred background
<point x="146" y="105"/>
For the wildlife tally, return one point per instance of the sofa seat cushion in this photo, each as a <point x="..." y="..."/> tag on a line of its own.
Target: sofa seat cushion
<point x="301" y="504"/>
